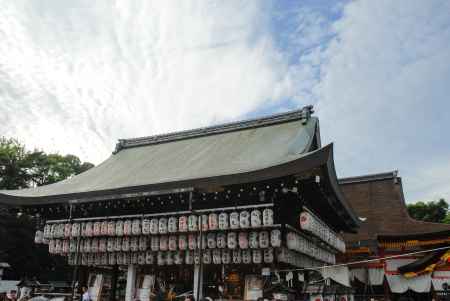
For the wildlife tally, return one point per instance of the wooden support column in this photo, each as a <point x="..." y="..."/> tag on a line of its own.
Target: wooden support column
<point x="131" y="282"/>
<point x="198" y="282"/>
<point x="115" y="273"/>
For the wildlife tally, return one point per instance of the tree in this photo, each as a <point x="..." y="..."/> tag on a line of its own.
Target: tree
<point x="13" y="164"/>
<point x="20" y="168"/>
<point x="436" y="211"/>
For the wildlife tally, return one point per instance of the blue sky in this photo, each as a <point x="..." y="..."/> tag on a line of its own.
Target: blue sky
<point x="77" y="75"/>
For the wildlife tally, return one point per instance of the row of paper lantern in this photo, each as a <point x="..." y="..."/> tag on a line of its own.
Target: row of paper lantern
<point x="163" y="225"/>
<point x="221" y="240"/>
<point x="300" y="244"/>
<point x="312" y="224"/>
<point x="296" y="259"/>
<point x="214" y="256"/>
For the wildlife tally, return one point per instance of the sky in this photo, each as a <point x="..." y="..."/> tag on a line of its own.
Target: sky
<point x="77" y="75"/>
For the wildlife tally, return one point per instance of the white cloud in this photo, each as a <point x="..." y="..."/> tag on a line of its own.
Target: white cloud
<point x="77" y="75"/>
<point x="383" y="91"/>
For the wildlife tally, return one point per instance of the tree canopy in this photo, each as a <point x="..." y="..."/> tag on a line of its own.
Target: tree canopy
<point x="20" y="168"/>
<point x="435" y="211"/>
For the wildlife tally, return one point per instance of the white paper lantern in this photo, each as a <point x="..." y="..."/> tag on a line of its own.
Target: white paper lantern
<point x="231" y="240"/>
<point x="86" y="245"/>
<point x="244" y="219"/>
<point x="216" y="256"/>
<point x="104" y="228"/>
<point x="264" y="239"/>
<point x="292" y="241"/>
<point x="173" y="243"/>
<point x="204" y="222"/>
<point x="237" y="258"/>
<point x="182" y="223"/>
<point x="65" y="246"/>
<point x="118" y="244"/>
<point x="253" y="240"/>
<point x="162" y="225"/>
<point x="257" y="256"/>
<point x="154" y="226"/>
<point x="193" y="223"/>
<point x="196" y="258"/>
<point x="221" y="240"/>
<point x="51" y="246"/>
<point x="226" y="257"/>
<point x="127" y="224"/>
<point x="97" y="259"/>
<point x="275" y="238"/>
<point x="126" y="244"/>
<point x="182" y="242"/>
<point x="94" y="245"/>
<point x="234" y="220"/>
<point x="163" y="243"/>
<point x="136" y="227"/>
<point x="146" y="226"/>
<point x="189" y="257"/>
<point x="111" y="258"/>
<point x="134" y="244"/>
<point x="192" y="241"/>
<point x="213" y="222"/>
<point x="268" y="255"/>
<point x="53" y="231"/>
<point x="96" y="229"/>
<point x="61" y="229"/>
<point x="172" y="224"/>
<point x="39" y="237"/>
<point x="134" y="258"/>
<point x="91" y="259"/>
<point x="211" y="240"/>
<point x="223" y="221"/>
<point x="72" y="246"/>
<point x="112" y="228"/>
<point x="177" y="257"/>
<point x="76" y="229"/>
<point x="110" y="244"/>
<point x="89" y="229"/>
<point x="243" y="240"/>
<point x="255" y="218"/>
<point x="119" y="258"/>
<point x="267" y="217"/>
<point x="118" y="229"/>
<point x="169" y="258"/>
<point x="126" y="258"/>
<point x="67" y="230"/>
<point x="102" y="245"/>
<point x="154" y="244"/>
<point x="246" y="256"/>
<point x="47" y="231"/>
<point x="207" y="257"/>
<point x="149" y="258"/>
<point x="142" y="243"/>
<point x="104" y="259"/>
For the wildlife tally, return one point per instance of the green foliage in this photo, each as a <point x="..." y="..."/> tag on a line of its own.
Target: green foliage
<point x="20" y="168"/>
<point x="436" y="211"/>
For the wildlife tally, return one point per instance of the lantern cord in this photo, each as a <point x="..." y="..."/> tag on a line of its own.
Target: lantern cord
<point x="366" y="261"/>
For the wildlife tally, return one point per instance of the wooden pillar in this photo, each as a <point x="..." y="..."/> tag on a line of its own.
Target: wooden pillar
<point x="198" y="282"/>
<point x="115" y="273"/>
<point x="131" y="282"/>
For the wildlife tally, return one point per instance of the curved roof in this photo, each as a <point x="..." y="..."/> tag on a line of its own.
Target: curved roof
<point x="381" y="195"/>
<point x="241" y="152"/>
<point x="233" y="148"/>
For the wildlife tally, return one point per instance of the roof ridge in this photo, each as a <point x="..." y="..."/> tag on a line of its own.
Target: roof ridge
<point x="369" y="177"/>
<point x="303" y="114"/>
